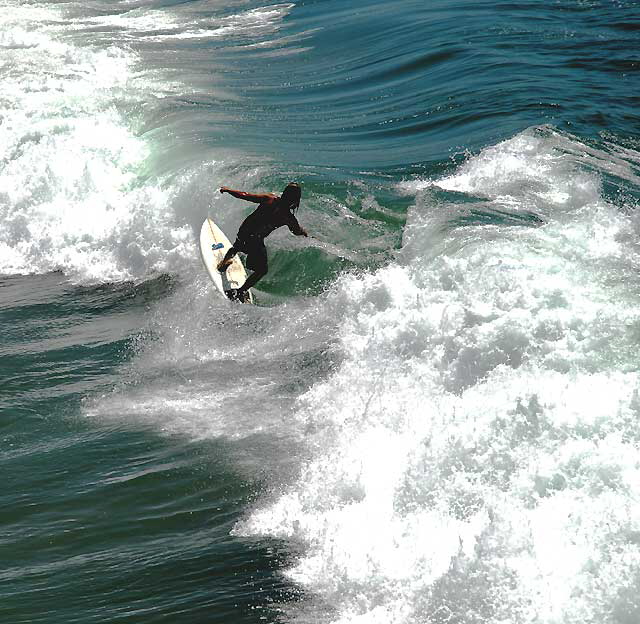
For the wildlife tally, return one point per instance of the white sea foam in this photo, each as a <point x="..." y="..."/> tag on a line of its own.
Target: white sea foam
<point x="250" y="24"/>
<point x="71" y="195"/>
<point x="476" y="453"/>
<point x="156" y="25"/>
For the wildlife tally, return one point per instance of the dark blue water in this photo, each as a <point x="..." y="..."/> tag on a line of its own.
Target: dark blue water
<point x="431" y="414"/>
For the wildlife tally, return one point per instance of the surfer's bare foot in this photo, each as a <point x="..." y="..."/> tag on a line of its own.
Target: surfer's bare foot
<point x="223" y="265"/>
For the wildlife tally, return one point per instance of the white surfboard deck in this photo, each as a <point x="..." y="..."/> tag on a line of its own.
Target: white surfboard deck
<point x="213" y="247"/>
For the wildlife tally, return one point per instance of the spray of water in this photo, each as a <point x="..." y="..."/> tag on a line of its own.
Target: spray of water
<point x="476" y="452"/>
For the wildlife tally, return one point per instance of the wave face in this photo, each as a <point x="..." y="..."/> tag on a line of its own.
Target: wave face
<point x="432" y="414"/>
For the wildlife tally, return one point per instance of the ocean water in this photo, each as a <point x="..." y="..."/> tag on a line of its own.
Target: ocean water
<point x="432" y="414"/>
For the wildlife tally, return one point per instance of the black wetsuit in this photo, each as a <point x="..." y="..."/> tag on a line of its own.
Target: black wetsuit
<point x="266" y="218"/>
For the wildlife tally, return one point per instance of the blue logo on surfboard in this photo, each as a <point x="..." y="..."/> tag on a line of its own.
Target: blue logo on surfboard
<point x="217" y="246"/>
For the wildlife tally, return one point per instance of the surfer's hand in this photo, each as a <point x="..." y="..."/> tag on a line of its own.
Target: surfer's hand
<point x="224" y="189"/>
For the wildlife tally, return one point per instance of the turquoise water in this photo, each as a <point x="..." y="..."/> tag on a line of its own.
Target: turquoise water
<point x="432" y="413"/>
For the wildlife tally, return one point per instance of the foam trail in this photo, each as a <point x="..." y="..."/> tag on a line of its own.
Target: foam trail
<point x="475" y="454"/>
<point x="252" y="24"/>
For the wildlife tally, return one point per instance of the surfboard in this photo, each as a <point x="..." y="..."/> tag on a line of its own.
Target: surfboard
<point x="213" y="247"/>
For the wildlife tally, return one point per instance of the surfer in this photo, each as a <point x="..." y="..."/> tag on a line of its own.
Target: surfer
<point x="272" y="212"/>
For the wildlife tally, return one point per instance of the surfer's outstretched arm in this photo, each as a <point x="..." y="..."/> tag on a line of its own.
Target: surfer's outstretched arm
<point x="256" y="199"/>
